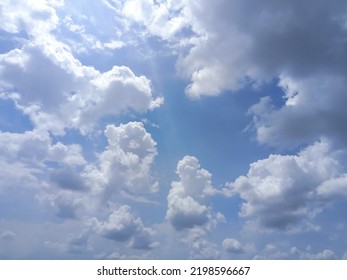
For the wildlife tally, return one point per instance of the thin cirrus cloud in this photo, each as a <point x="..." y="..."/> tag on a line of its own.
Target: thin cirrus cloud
<point x="101" y="182"/>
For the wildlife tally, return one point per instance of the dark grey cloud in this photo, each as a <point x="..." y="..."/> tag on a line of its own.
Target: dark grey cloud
<point x="263" y="41"/>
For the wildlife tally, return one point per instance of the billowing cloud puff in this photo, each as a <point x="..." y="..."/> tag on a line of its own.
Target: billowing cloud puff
<point x="56" y="91"/>
<point x="314" y="108"/>
<point x="185" y="212"/>
<point x="33" y="16"/>
<point x="232" y="246"/>
<point x="187" y="207"/>
<point x="126" y="162"/>
<point x="25" y="157"/>
<point x="281" y="191"/>
<point x="202" y="249"/>
<point x="162" y="19"/>
<point x="122" y="225"/>
<point x="334" y="188"/>
<point x="292" y="37"/>
<point x="294" y="42"/>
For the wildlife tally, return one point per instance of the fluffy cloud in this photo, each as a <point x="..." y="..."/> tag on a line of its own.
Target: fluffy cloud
<point x="164" y="19"/>
<point x="56" y="91"/>
<point x="334" y="188"/>
<point x="295" y="42"/>
<point x="36" y="147"/>
<point x="33" y="16"/>
<point x="283" y="192"/>
<point x="122" y="225"/>
<point x="232" y="246"/>
<point x="262" y="48"/>
<point x="202" y="249"/>
<point x="60" y="173"/>
<point x="326" y="254"/>
<point x="25" y="157"/>
<point x="126" y="162"/>
<point x="187" y="207"/>
<point x="314" y="108"/>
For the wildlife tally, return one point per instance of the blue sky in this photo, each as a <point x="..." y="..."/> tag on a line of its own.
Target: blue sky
<point x="173" y="129"/>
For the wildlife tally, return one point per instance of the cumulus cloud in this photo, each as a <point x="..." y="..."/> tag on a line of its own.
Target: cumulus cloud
<point x="187" y="207"/>
<point x="125" y="164"/>
<point x="313" y="109"/>
<point x="326" y="254"/>
<point x="122" y="225"/>
<point x="202" y="249"/>
<point x="280" y="192"/>
<point x="233" y="246"/>
<point x="56" y="91"/>
<point x="262" y="48"/>
<point x="25" y="157"/>
<point x="164" y="19"/>
<point x="36" y="147"/>
<point x="334" y="188"/>
<point x="299" y="44"/>
<point x="34" y="17"/>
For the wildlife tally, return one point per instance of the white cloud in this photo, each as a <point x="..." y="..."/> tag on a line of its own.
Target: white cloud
<point x="35" y="147"/>
<point x="334" y="188"/>
<point x="122" y="225"/>
<point x="125" y="165"/>
<point x="280" y="192"/>
<point x="58" y="92"/>
<point x="185" y="212"/>
<point x="164" y="19"/>
<point x="202" y="249"/>
<point x="326" y="254"/>
<point x="33" y="16"/>
<point x="25" y="158"/>
<point x="187" y="207"/>
<point x="232" y="245"/>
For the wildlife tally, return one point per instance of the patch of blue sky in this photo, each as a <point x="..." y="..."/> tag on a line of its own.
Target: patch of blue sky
<point x="11" y="119"/>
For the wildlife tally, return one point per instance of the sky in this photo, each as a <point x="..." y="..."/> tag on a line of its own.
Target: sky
<point x="161" y="129"/>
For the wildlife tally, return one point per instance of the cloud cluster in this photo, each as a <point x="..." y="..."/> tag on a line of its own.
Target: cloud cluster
<point x="233" y="246"/>
<point x="56" y="91"/>
<point x="292" y="38"/>
<point x="25" y="157"/>
<point x="126" y="162"/>
<point x="36" y="17"/>
<point x="313" y="109"/>
<point x="122" y="170"/>
<point x="187" y="206"/>
<point x="287" y="191"/>
<point x="122" y="225"/>
<point x="294" y="42"/>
